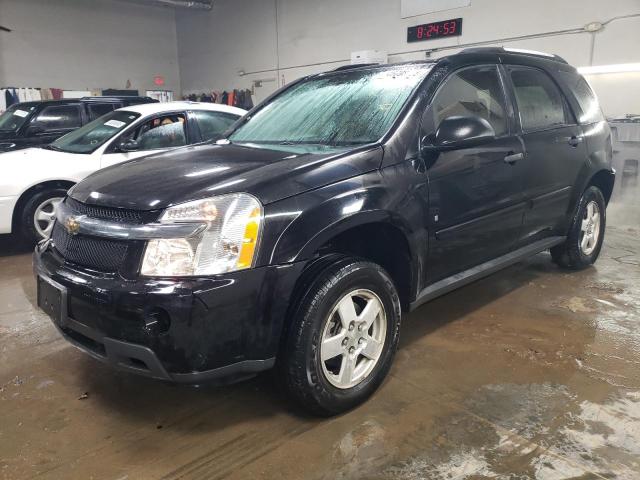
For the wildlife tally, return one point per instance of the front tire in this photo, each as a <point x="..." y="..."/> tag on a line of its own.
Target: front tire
<point x="586" y="233"/>
<point x="38" y="214"/>
<point x="343" y="337"/>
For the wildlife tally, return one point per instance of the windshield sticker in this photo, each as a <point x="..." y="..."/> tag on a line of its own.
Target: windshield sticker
<point x="114" y="123"/>
<point x="21" y="113"/>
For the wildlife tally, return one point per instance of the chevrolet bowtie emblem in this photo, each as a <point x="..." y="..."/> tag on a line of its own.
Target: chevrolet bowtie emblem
<point x="72" y="225"/>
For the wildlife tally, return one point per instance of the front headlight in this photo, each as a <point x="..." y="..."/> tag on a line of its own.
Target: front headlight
<point x="228" y="242"/>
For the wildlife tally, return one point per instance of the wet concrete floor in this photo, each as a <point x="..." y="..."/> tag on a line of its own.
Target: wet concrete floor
<point x="533" y="373"/>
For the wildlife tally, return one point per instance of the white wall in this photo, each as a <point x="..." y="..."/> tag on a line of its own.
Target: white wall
<point x="242" y="35"/>
<point x="213" y="46"/>
<point x="87" y="44"/>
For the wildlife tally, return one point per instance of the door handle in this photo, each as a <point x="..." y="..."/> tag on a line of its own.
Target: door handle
<point x="513" y="158"/>
<point x="575" y="141"/>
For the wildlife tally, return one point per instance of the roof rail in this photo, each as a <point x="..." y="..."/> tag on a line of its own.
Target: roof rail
<point x="107" y="97"/>
<point x="520" y="51"/>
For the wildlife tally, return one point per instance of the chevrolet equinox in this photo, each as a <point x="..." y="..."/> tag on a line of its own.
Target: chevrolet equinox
<point x="343" y="200"/>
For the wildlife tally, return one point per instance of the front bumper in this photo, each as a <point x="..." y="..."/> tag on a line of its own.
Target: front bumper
<point x="188" y="330"/>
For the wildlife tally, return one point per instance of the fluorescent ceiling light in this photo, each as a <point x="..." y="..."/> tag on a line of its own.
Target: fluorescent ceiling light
<point x="619" y="68"/>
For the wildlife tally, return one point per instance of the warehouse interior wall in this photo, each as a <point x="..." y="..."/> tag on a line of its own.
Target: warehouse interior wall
<point x="85" y="45"/>
<point x="277" y="41"/>
<point x="282" y="40"/>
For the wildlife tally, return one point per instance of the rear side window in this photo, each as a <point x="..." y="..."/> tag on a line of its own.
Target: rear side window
<point x="58" y="117"/>
<point x="539" y="100"/>
<point x="213" y="124"/>
<point x="585" y="97"/>
<point x="473" y="91"/>
<point x="96" y="110"/>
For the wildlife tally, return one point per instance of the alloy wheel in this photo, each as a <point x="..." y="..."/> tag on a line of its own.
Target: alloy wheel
<point x="590" y="228"/>
<point x="45" y="216"/>
<point x="353" y="338"/>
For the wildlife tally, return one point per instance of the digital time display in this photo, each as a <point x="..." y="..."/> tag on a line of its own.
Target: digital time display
<point x="431" y="31"/>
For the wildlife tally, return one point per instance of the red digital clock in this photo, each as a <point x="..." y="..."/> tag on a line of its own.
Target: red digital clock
<point x="431" y="31"/>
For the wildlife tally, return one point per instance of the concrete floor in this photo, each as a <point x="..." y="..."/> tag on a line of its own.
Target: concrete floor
<point x="533" y="373"/>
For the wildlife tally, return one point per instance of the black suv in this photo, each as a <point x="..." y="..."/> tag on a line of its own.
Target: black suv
<point x="30" y="124"/>
<point x="342" y="201"/>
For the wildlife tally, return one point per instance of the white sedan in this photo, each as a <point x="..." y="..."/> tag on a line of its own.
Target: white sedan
<point x="34" y="180"/>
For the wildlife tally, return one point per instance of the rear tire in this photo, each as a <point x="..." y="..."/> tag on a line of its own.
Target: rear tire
<point x="37" y="216"/>
<point x="342" y="339"/>
<point x="586" y="233"/>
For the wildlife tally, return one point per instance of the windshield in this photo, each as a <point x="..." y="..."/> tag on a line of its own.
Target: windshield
<point x="351" y="107"/>
<point x="14" y="117"/>
<point x="88" y="138"/>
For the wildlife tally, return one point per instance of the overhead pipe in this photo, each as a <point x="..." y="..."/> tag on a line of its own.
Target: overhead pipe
<point x="187" y="4"/>
<point x="193" y="4"/>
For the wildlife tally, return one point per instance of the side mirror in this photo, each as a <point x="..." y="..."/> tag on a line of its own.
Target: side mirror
<point x="129" y="146"/>
<point x="461" y="132"/>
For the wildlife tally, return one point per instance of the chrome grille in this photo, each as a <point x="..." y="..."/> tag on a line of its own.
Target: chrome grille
<point x="91" y="252"/>
<point x="102" y="254"/>
<point x="112" y="214"/>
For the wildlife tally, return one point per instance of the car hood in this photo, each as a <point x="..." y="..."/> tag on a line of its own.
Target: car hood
<point x="191" y="173"/>
<point x="33" y="155"/>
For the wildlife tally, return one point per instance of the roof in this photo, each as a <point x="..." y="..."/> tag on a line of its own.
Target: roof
<point x="375" y="66"/>
<point x="151" y="108"/>
<point x="105" y="99"/>
<point x="470" y="53"/>
<point x="513" y="51"/>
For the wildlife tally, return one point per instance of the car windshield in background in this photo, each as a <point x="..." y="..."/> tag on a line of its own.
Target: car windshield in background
<point x="88" y="138"/>
<point x="345" y="108"/>
<point x="14" y="117"/>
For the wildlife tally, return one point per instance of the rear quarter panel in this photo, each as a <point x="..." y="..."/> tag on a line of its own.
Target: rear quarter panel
<point x="597" y="137"/>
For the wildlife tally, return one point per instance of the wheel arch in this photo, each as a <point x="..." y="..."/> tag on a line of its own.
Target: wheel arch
<point x="372" y="236"/>
<point x="381" y="242"/>
<point x="603" y="179"/>
<point x="29" y="192"/>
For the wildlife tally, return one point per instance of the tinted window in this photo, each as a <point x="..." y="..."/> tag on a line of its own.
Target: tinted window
<point x="585" y="97"/>
<point x="213" y="124"/>
<point x="472" y="91"/>
<point x="348" y="107"/>
<point x="96" y="110"/>
<point x="539" y="100"/>
<point x="58" y="117"/>
<point x="88" y="138"/>
<point x="165" y="131"/>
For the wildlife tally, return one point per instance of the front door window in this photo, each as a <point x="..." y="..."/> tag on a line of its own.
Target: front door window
<point x="165" y="131"/>
<point x="472" y="92"/>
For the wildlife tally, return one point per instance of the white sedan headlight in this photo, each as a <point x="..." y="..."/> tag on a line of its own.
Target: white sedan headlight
<point x="227" y="243"/>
